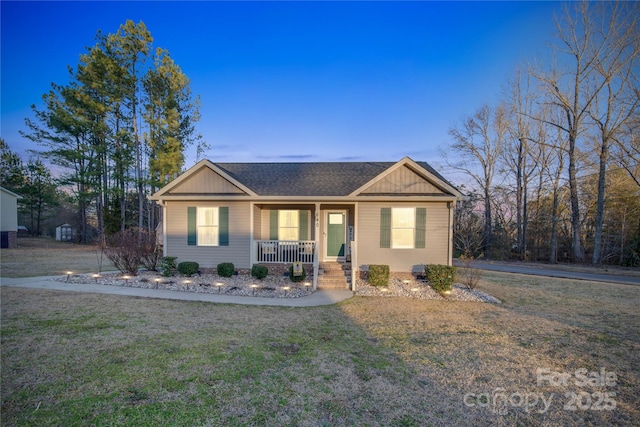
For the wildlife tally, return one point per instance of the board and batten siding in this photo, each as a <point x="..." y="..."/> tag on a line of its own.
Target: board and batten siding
<point x="402" y="181"/>
<point x="437" y="237"/>
<point x="206" y="181"/>
<point x="239" y="250"/>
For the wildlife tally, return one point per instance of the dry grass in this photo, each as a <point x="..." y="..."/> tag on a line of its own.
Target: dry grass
<point x="47" y="257"/>
<point x="84" y="359"/>
<point x="562" y="325"/>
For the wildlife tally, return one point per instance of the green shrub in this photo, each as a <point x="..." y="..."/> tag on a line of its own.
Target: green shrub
<point x="440" y="277"/>
<point x="259" y="271"/>
<point x="226" y="269"/>
<point x="379" y="275"/>
<point x="299" y="278"/>
<point x="188" y="268"/>
<point x="168" y="265"/>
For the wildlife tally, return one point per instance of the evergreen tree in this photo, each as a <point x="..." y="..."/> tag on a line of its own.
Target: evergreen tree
<point x="39" y="194"/>
<point x="11" y="168"/>
<point x="93" y="127"/>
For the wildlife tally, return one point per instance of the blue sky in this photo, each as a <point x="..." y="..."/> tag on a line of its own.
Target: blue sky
<point x="295" y="81"/>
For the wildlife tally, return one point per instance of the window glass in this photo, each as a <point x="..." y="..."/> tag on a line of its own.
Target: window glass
<point x="208" y="226"/>
<point x="288" y="225"/>
<point x="402" y="227"/>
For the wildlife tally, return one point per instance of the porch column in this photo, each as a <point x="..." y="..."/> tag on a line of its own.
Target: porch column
<point x="316" y="255"/>
<point x="164" y="227"/>
<point x="354" y="252"/>
<point x="252" y="249"/>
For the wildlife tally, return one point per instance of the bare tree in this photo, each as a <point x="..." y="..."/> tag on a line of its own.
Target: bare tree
<point x="564" y="86"/>
<point x="468" y="226"/>
<point x="478" y="143"/>
<point x="627" y="147"/>
<point x="613" y="84"/>
<point x="526" y="134"/>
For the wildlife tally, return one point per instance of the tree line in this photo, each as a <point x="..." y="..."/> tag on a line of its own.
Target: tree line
<point x="118" y="129"/>
<point x="554" y="167"/>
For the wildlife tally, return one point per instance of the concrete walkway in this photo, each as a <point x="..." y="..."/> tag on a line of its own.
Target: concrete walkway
<point x="321" y="297"/>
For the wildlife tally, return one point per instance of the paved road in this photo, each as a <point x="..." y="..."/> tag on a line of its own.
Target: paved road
<point x="551" y="271"/>
<point x="320" y="297"/>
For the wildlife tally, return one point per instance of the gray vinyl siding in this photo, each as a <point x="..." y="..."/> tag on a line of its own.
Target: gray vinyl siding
<point x="238" y="251"/>
<point x="9" y="207"/>
<point x="368" y="238"/>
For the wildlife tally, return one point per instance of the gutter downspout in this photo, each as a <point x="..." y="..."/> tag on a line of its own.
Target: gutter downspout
<point x="450" y="233"/>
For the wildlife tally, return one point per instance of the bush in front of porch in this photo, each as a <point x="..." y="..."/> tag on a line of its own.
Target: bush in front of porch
<point x="379" y="275"/>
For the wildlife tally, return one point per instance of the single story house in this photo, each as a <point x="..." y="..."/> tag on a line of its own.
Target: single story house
<point x="321" y="214"/>
<point x="8" y="219"/>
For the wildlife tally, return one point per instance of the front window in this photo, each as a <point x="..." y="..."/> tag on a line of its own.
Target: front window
<point x="208" y="225"/>
<point x="403" y="222"/>
<point x="288" y="225"/>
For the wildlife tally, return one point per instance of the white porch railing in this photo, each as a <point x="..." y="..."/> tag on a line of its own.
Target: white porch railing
<point x="284" y="251"/>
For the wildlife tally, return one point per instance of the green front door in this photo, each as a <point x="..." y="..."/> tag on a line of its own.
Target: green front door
<point x="335" y="234"/>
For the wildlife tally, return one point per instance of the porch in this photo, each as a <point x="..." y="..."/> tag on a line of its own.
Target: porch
<point x="307" y="233"/>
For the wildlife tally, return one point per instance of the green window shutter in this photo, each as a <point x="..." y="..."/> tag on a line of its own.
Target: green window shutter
<point x="385" y="227"/>
<point x="273" y="224"/>
<point x="421" y="227"/>
<point x="192" y="234"/>
<point x="223" y="219"/>
<point x="303" y="226"/>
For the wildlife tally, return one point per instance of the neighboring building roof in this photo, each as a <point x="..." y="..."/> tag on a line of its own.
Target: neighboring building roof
<point x="11" y="193"/>
<point x="317" y="179"/>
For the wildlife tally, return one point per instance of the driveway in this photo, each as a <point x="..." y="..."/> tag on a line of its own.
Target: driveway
<point x="596" y="274"/>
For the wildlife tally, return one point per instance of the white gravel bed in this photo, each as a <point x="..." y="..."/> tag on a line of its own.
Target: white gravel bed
<point x="241" y="284"/>
<point x="421" y="290"/>
<point x="271" y="286"/>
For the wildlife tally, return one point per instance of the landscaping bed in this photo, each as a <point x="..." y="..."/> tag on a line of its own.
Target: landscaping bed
<point x="238" y="284"/>
<point x="421" y="290"/>
<point x="273" y="286"/>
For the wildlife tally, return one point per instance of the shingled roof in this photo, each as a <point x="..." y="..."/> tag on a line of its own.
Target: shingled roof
<point x="292" y="180"/>
<point x="308" y="179"/>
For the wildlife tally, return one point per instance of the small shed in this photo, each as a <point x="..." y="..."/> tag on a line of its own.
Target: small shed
<point x="64" y="233"/>
<point x="8" y="218"/>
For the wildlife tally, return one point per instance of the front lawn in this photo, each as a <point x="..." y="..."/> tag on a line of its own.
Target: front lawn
<point x="85" y="359"/>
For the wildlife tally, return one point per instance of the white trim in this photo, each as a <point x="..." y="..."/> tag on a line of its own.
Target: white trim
<point x="252" y="246"/>
<point x="354" y="250"/>
<point x="311" y="199"/>
<point x="164" y="229"/>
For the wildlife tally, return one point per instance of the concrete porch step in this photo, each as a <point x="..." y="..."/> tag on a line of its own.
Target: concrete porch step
<point x="325" y="287"/>
<point x="334" y="275"/>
